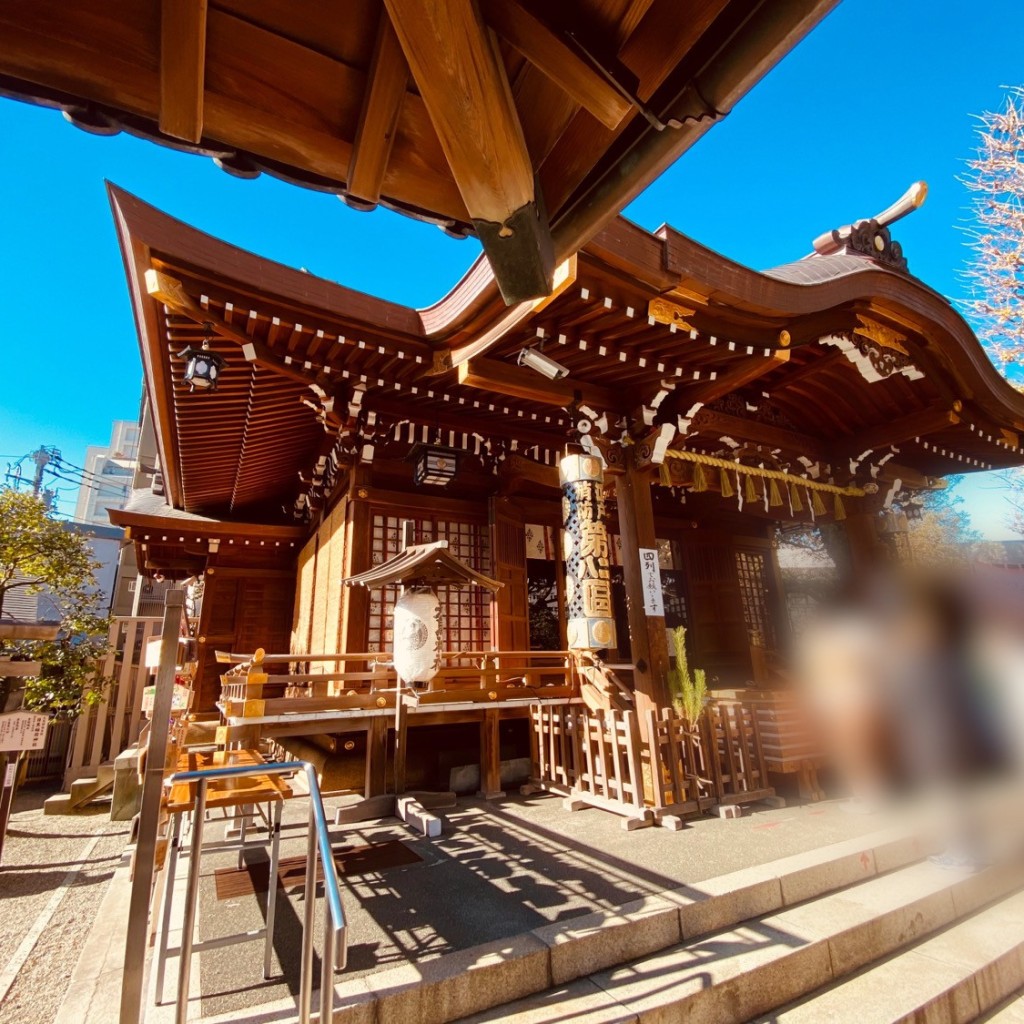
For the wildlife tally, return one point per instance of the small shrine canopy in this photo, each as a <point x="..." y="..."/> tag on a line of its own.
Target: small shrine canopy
<point x="423" y="565"/>
<point x="525" y="123"/>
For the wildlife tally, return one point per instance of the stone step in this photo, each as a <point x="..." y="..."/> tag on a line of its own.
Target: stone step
<point x="949" y="978"/>
<point x="59" y="803"/>
<point x="1009" y="1012"/>
<point x="84" y="791"/>
<point x="477" y="979"/>
<point x="741" y="972"/>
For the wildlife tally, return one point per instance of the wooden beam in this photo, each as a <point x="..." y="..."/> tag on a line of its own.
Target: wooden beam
<point x="385" y="90"/>
<point x="182" y="68"/>
<point x="811" y="369"/>
<point x="741" y="374"/>
<point x="517" y="382"/>
<point x="917" y="424"/>
<point x="721" y="424"/>
<point x="564" y="64"/>
<point x="464" y="421"/>
<point x="462" y="81"/>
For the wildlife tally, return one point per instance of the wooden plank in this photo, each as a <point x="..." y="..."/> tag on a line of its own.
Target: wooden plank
<point x="462" y="81"/>
<point x="558" y="59"/>
<point x="378" y="120"/>
<point x="182" y="68"/>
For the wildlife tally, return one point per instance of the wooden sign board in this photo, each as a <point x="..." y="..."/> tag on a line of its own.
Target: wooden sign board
<point x="650" y="573"/>
<point x="23" y="730"/>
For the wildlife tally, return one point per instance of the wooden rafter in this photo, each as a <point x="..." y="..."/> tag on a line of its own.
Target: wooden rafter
<point x="462" y="80"/>
<point x="182" y="68"/>
<point x="744" y="372"/>
<point x="917" y="424"/>
<point x="378" y="121"/>
<point x="559" y="60"/>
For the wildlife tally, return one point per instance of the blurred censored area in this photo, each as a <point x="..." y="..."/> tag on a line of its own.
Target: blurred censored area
<point x="914" y="680"/>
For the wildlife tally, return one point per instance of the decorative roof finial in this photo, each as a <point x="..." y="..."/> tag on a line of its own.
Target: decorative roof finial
<point x="871" y="237"/>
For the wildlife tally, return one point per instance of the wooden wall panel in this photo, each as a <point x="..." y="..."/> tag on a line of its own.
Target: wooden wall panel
<point x="301" y="616"/>
<point x="318" y="614"/>
<point x="335" y="572"/>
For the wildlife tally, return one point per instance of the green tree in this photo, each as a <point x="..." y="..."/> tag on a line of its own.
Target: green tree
<point x="37" y="554"/>
<point x="688" y="687"/>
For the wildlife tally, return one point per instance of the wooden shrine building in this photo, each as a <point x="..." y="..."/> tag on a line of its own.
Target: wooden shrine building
<point x="707" y="404"/>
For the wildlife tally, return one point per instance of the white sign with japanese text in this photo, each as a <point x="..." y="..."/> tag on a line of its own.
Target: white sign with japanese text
<point x="650" y="573"/>
<point x="23" y="730"/>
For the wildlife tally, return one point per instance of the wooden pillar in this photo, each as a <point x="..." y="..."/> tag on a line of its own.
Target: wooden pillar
<point x="646" y="632"/>
<point x="862" y="542"/>
<point x="355" y="604"/>
<point x="401" y="739"/>
<point x="376" y="757"/>
<point x="490" y="756"/>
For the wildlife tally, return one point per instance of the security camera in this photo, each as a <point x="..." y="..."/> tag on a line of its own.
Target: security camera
<point x="536" y="360"/>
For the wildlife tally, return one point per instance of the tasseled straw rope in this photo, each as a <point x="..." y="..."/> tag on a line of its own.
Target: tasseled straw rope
<point x="768" y="474"/>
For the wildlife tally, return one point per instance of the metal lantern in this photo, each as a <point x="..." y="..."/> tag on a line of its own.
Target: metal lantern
<point x="435" y="465"/>
<point x="202" y="367"/>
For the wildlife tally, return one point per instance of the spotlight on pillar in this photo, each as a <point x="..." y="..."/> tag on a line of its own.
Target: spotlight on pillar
<point x="542" y="364"/>
<point x="434" y="465"/>
<point x="202" y="367"/>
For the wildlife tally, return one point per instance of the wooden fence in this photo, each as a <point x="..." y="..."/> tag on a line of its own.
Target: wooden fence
<point x="103" y="731"/>
<point x="681" y="765"/>
<point x="49" y="762"/>
<point x="593" y="758"/>
<point x="599" y="759"/>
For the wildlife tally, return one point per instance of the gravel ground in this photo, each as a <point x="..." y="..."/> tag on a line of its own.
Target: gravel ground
<point x="42" y="854"/>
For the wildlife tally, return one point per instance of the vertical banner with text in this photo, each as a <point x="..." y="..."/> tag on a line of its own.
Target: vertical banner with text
<point x="588" y="589"/>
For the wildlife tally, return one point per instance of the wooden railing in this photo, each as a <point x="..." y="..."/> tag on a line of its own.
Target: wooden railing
<point x="251" y="688"/>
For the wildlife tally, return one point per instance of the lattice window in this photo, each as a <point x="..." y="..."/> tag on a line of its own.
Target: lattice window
<point x="465" y="614"/>
<point x="752" y="573"/>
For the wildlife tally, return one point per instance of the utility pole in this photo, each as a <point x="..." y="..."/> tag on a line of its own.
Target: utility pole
<point x="41" y="457"/>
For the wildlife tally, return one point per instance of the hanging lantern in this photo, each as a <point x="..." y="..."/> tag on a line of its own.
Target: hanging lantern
<point x="417" y="643"/>
<point x="434" y="465"/>
<point x="202" y="367"/>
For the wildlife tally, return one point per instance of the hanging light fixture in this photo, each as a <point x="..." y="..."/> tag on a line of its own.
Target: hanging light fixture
<point x="202" y="366"/>
<point x="434" y="464"/>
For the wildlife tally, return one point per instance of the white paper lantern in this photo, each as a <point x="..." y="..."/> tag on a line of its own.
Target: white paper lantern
<point x="417" y="644"/>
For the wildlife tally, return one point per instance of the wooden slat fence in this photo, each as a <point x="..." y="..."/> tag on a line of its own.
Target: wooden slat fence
<point x="593" y="758"/>
<point x="599" y="759"/>
<point x="681" y="767"/>
<point x="738" y="767"/>
<point x="102" y="732"/>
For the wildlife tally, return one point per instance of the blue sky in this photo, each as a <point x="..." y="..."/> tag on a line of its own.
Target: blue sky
<point x="879" y="95"/>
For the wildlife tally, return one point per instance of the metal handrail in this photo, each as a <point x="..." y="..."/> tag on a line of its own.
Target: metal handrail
<point x="335" y="952"/>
